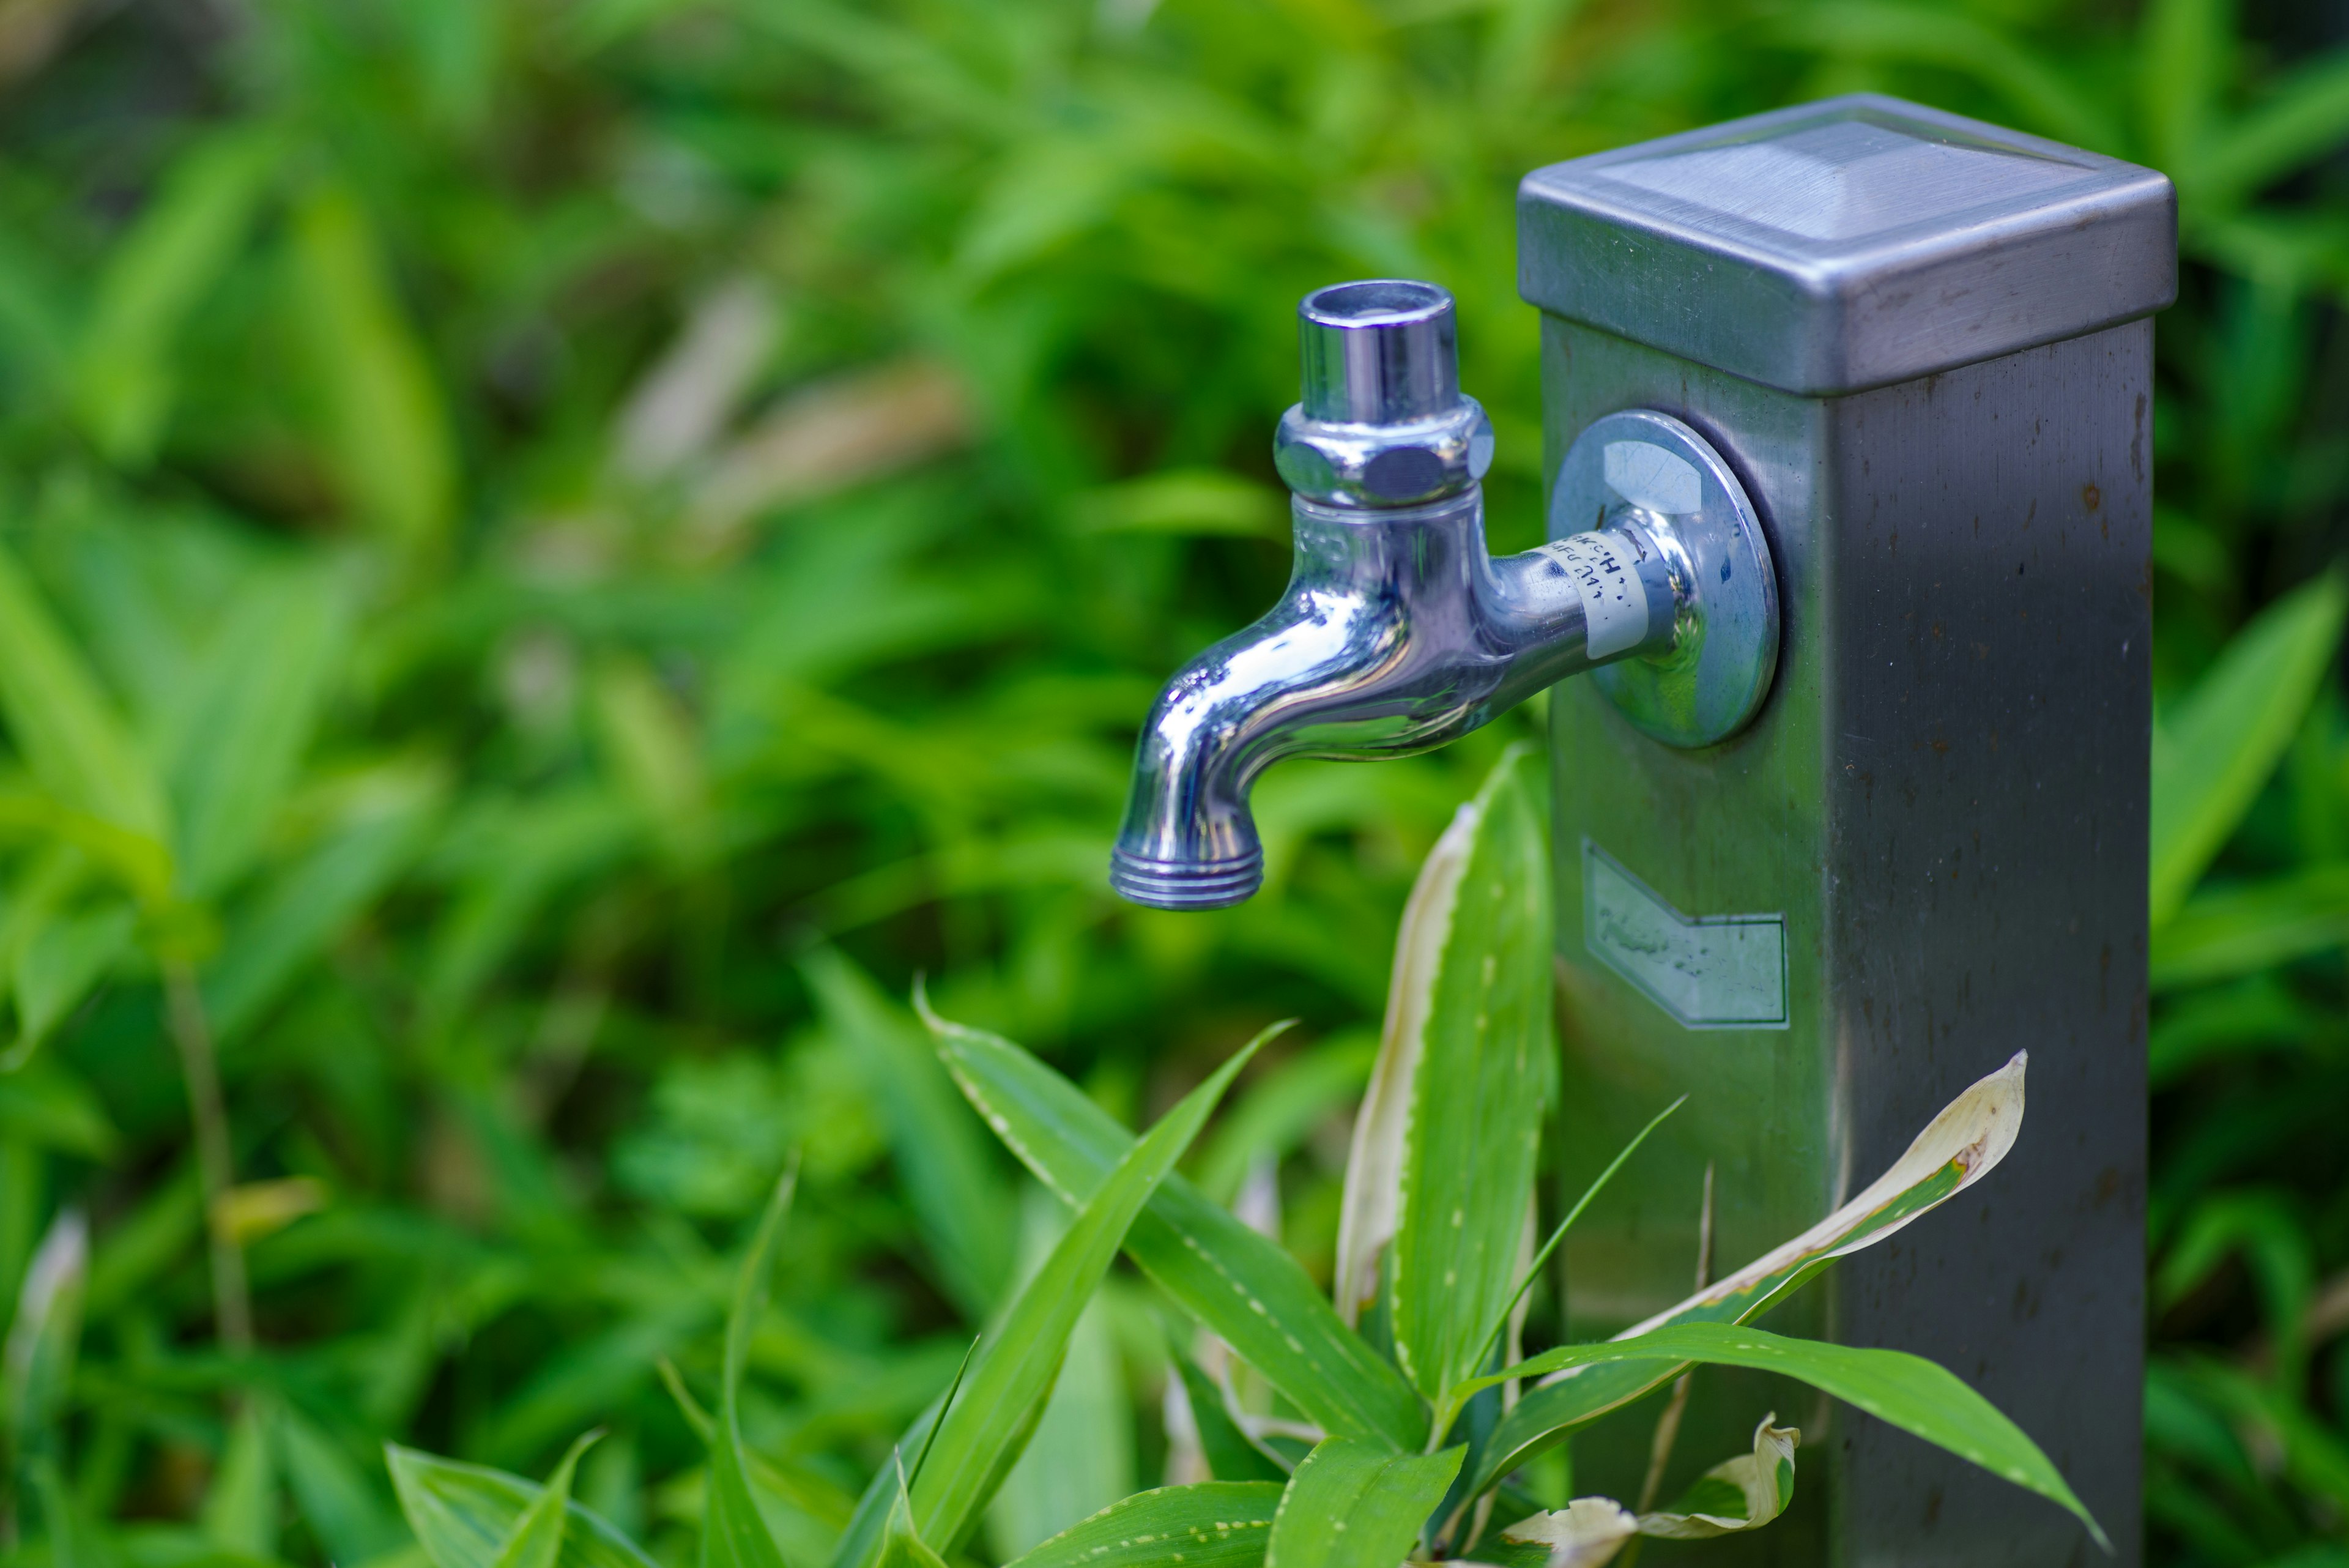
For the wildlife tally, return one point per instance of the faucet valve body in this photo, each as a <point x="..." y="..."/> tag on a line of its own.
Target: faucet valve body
<point x="1399" y="631"/>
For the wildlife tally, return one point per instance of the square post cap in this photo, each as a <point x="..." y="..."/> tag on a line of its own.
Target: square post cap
<point x="1849" y="243"/>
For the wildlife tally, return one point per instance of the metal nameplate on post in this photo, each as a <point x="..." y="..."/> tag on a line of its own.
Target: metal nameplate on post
<point x="1712" y="972"/>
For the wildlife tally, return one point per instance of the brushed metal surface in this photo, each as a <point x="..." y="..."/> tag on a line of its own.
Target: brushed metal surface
<point x="1944" y="798"/>
<point x="1849" y="243"/>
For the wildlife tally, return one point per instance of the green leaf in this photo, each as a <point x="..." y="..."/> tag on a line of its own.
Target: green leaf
<point x="1958" y="1148"/>
<point x="732" y="1533"/>
<point x="336" y="1495"/>
<point x="122" y="376"/>
<point x="1896" y="1387"/>
<point x="59" y="965"/>
<point x="979" y="1437"/>
<point x="2295" y="122"/>
<point x="654" y="751"/>
<point x="463" y="1515"/>
<point x="1080" y="1458"/>
<point x="248" y="719"/>
<point x="49" y="1107"/>
<point x="2224" y="932"/>
<point x="1215" y="1524"/>
<point x="537" y="1538"/>
<point x="1230" y="1456"/>
<point x="2225" y="739"/>
<point x="2183" y="60"/>
<point x="66" y="731"/>
<point x="962" y="1205"/>
<point x="1243" y="1287"/>
<point x="1357" y="1504"/>
<point x="386" y="428"/>
<point x="299" y="911"/>
<point x="240" y="1511"/>
<point x="1469" y="1036"/>
<point x="1196" y="501"/>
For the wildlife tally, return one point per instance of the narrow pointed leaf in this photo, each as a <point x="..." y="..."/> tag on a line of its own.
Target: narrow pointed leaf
<point x="462" y="1514"/>
<point x="1243" y="1287"/>
<point x="537" y="1538"/>
<point x="2225" y="739"/>
<point x="1896" y="1387"/>
<point x="63" y="724"/>
<point x="1481" y="1083"/>
<point x="1357" y="1504"/>
<point x="1215" y="1524"/>
<point x="981" y="1434"/>
<point x="941" y="1154"/>
<point x="1368" y="1210"/>
<point x="1960" y="1146"/>
<point x="733" y="1535"/>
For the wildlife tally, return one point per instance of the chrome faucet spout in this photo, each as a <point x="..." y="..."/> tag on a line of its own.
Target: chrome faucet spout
<point x="1398" y="631"/>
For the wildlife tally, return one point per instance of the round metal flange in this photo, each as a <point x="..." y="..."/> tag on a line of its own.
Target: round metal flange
<point x="1649" y="468"/>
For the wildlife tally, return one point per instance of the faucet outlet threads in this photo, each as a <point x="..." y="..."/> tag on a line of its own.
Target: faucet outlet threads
<point x="1382" y="421"/>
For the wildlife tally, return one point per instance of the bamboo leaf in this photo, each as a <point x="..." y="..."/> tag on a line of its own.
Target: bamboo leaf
<point x="240" y="1511"/>
<point x="1357" y="1504"/>
<point x="940" y="1153"/>
<point x="62" y="724"/>
<point x="537" y="1538"/>
<point x="2299" y="120"/>
<point x="1896" y="1387"/>
<point x="248" y="719"/>
<point x="59" y="965"/>
<point x="1215" y="1524"/>
<point x="733" y="1535"/>
<point x="386" y="432"/>
<point x="122" y="377"/>
<point x="2227" y="931"/>
<point x="463" y="1514"/>
<point x="1480" y="1084"/>
<point x="1370" y="1207"/>
<point x="1243" y="1287"/>
<point x="2226" y="737"/>
<point x="980" y="1436"/>
<point x="1958" y="1148"/>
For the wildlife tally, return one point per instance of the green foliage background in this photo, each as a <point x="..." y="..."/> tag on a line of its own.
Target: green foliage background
<point x="559" y="551"/>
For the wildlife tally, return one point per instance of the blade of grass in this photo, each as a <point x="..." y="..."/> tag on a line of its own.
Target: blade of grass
<point x="980" y="1436"/>
<point x="1244" y="1288"/>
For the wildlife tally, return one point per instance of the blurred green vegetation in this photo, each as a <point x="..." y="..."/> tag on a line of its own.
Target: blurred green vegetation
<point x="559" y="551"/>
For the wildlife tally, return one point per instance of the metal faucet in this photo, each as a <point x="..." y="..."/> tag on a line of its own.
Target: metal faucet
<point x="1399" y="632"/>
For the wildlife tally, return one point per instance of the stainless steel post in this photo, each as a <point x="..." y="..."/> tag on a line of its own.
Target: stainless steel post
<point x="1923" y="345"/>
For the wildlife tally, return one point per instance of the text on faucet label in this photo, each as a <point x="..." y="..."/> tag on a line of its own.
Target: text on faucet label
<point x="1614" y="600"/>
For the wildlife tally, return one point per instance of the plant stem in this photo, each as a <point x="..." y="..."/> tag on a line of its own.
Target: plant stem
<point x="215" y="1166"/>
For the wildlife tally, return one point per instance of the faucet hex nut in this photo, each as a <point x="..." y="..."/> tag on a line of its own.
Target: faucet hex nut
<point x="1409" y="463"/>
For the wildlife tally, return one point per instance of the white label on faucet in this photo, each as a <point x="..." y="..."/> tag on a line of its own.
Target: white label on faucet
<point x="1614" y="600"/>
